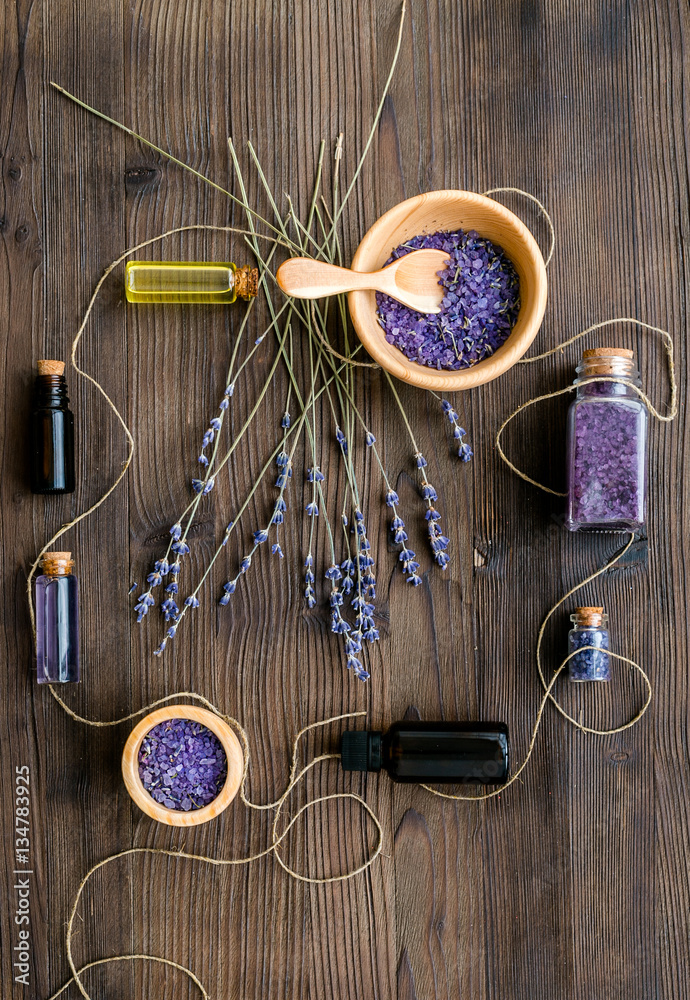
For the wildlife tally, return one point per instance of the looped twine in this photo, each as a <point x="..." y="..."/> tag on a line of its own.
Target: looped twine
<point x="663" y="417"/>
<point x="548" y="688"/>
<point x="549" y="223"/>
<point x="277" y="837"/>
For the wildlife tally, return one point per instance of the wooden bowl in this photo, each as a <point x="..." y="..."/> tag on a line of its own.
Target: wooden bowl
<point x="177" y="817"/>
<point x="449" y="211"/>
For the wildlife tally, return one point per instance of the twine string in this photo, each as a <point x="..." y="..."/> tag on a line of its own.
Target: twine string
<point x="277" y="837"/>
<point x="662" y="417"/>
<point x="296" y="775"/>
<point x="80" y="371"/>
<point x="130" y="958"/>
<point x="549" y="222"/>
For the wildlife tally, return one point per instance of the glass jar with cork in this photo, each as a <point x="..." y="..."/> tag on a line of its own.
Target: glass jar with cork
<point x="607" y="445"/>
<point x="589" y="630"/>
<point x="57" y="620"/>
<point x="189" y="281"/>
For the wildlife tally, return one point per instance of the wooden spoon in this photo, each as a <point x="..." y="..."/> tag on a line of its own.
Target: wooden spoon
<point x="412" y="279"/>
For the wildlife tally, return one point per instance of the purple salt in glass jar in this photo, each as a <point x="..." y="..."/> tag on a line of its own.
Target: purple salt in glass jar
<point x="607" y="446"/>
<point x="589" y="629"/>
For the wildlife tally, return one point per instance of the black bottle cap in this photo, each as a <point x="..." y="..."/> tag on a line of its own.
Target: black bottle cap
<point x="360" y="751"/>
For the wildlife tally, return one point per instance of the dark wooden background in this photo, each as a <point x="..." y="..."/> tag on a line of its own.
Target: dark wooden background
<point x="574" y="883"/>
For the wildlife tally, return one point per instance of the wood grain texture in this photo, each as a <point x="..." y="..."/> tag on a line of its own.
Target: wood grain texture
<point x="574" y="883"/>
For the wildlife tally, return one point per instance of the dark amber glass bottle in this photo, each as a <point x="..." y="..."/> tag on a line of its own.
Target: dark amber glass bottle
<point x="431" y="752"/>
<point x="52" y="432"/>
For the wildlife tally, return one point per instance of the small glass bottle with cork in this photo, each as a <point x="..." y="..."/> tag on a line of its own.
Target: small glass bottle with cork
<point x="589" y="629"/>
<point x="51" y="432"/>
<point x="189" y="281"/>
<point x="57" y="620"/>
<point x="607" y="445"/>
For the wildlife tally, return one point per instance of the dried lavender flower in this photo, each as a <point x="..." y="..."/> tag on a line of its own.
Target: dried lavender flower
<point x="478" y="311"/>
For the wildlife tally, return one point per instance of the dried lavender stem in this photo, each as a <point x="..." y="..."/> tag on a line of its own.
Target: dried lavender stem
<point x="377" y="116"/>
<point x="190" y="511"/>
<point x="402" y="411"/>
<point x="297" y="427"/>
<point x="157" y="149"/>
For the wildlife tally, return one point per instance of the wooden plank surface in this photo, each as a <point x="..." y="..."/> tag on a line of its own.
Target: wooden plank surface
<point x="573" y="884"/>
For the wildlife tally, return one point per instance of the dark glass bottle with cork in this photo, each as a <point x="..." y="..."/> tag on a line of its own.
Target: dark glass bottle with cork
<point x="52" y="432"/>
<point x="431" y="752"/>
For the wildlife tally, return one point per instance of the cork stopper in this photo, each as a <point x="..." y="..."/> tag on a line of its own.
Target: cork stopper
<point x="246" y="282"/>
<point x="57" y="563"/>
<point x="589" y="617"/>
<point x="51" y="367"/>
<point x="616" y="361"/>
<point x="605" y="352"/>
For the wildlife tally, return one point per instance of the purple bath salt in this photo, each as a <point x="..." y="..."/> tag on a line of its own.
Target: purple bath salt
<point x="478" y="311"/>
<point x="589" y="629"/>
<point x="182" y="764"/>
<point x="607" y="438"/>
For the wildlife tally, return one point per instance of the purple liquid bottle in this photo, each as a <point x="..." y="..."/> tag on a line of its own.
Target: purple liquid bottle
<point x="57" y="620"/>
<point x="607" y="446"/>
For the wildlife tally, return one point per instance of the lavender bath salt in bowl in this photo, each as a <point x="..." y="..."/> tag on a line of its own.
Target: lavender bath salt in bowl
<point x="182" y="765"/>
<point x="478" y="311"/>
<point x="450" y="212"/>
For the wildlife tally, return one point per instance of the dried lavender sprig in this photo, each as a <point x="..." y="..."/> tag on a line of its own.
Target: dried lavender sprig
<point x="246" y="561"/>
<point x="179" y="544"/>
<point x="437" y="540"/>
<point x="407" y="564"/>
<point x="366" y="582"/>
<point x="352" y="638"/>
<point x="407" y="557"/>
<point x="284" y="460"/>
<point x="464" y="450"/>
<point x="260" y="536"/>
<point x="377" y="116"/>
<point x="231" y="381"/>
<point x="295" y="429"/>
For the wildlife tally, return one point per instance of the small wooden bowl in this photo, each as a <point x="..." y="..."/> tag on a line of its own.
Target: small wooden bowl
<point x="448" y="211"/>
<point x="135" y="786"/>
